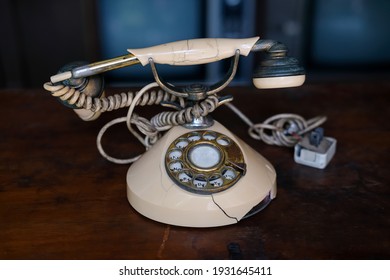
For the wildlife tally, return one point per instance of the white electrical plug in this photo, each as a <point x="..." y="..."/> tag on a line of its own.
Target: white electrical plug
<point x="315" y="150"/>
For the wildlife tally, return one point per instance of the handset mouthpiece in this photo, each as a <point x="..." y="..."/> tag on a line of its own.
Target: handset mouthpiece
<point x="95" y="68"/>
<point x="61" y="77"/>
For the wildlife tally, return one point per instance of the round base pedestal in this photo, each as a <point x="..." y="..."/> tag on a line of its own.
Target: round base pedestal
<point x="154" y="194"/>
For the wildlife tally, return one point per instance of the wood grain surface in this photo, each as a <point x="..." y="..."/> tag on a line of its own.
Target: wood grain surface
<point x="59" y="199"/>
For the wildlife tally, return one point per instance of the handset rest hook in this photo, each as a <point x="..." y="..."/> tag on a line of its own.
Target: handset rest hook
<point x="197" y="92"/>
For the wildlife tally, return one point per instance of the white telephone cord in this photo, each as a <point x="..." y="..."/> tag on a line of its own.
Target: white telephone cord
<point x="281" y="130"/>
<point x="160" y="122"/>
<point x="79" y="99"/>
<point x="286" y="129"/>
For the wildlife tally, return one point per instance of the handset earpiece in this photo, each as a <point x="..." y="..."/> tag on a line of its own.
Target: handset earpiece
<point x="276" y="70"/>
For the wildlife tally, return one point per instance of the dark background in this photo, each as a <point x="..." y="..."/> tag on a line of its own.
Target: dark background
<point x="60" y="199"/>
<point x="334" y="40"/>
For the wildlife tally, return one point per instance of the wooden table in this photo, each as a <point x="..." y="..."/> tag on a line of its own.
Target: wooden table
<point x="59" y="199"/>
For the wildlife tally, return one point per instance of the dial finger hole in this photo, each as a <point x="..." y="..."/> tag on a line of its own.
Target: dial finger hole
<point x="200" y="181"/>
<point x="209" y="135"/>
<point x="175" y="154"/>
<point x="176" y="166"/>
<point x="229" y="174"/>
<point x="216" y="181"/>
<point x="194" y="137"/>
<point x="185" y="176"/>
<point x="223" y="141"/>
<point x="181" y="143"/>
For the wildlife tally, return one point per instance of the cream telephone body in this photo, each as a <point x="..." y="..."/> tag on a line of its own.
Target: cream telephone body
<point x="195" y="172"/>
<point x="176" y="194"/>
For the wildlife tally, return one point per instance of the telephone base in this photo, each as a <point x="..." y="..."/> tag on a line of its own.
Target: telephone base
<point x="153" y="193"/>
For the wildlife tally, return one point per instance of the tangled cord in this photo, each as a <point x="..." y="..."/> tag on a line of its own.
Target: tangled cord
<point x="282" y="129"/>
<point x="161" y="122"/>
<point x="167" y="119"/>
<point x="149" y="129"/>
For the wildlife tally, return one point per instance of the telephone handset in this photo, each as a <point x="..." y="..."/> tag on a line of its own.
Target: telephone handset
<point x="198" y="173"/>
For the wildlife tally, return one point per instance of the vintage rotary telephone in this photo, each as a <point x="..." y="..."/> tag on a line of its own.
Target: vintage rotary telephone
<point x="198" y="173"/>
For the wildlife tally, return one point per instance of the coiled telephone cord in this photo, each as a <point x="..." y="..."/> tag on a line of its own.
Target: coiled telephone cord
<point x="150" y="129"/>
<point x="80" y="100"/>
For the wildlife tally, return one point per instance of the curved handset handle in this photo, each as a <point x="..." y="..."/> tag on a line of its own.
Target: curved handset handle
<point x="195" y="51"/>
<point x="186" y="52"/>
